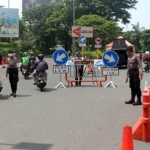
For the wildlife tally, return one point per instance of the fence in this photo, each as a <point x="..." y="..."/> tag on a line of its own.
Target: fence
<point x="84" y="71"/>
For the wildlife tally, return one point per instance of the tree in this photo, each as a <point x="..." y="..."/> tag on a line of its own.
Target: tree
<point x="116" y="10"/>
<point x="36" y="18"/>
<point x="145" y="40"/>
<point x="23" y="30"/>
<point x="137" y="35"/>
<point x="50" y="24"/>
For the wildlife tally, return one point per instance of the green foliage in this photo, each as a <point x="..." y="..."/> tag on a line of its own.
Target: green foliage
<point x="50" y="24"/>
<point x="7" y="46"/>
<point x="94" y="54"/>
<point x="107" y="30"/>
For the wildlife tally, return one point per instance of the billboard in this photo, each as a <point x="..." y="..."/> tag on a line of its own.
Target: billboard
<point x="31" y="3"/>
<point x="9" y="22"/>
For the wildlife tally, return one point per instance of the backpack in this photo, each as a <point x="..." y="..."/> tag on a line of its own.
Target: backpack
<point x="25" y="61"/>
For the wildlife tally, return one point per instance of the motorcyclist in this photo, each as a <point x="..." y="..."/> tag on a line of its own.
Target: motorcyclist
<point x="40" y="66"/>
<point x="32" y="61"/>
<point x="146" y="57"/>
<point x="146" y="60"/>
<point x="25" y="61"/>
<point x="32" y="56"/>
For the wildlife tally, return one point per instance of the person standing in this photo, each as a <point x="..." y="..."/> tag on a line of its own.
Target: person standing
<point x="134" y="75"/>
<point x="12" y="71"/>
<point x="78" y="68"/>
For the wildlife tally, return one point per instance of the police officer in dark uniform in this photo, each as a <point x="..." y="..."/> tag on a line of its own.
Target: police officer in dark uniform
<point x="78" y="68"/>
<point x="12" y="71"/>
<point x="135" y="74"/>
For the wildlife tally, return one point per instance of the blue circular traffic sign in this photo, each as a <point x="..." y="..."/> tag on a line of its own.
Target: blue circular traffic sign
<point x="82" y="40"/>
<point x="60" y="57"/>
<point x="110" y="58"/>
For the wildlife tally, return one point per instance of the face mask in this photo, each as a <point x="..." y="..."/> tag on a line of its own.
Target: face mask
<point x="10" y="55"/>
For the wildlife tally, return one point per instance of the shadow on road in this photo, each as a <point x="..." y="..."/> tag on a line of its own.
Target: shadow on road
<point x="4" y="97"/>
<point x="23" y="95"/>
<point x="29" y="146"/>
<point x="49" y="89"/>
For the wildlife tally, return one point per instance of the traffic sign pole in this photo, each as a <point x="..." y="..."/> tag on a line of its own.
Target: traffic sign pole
<point x="97" y="53"/>
<point x="82" y="51"/>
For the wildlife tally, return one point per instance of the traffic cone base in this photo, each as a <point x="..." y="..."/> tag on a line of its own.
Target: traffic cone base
<point x="138" y="131"/>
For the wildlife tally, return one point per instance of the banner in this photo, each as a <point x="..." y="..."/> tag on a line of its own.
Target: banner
<point x="9" y="22"/>
<point x="31" y="3"/>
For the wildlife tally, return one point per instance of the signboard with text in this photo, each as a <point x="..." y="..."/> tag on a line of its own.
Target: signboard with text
<point x="26" y="4"/>
<point x="60" y="69"/>
<point x="9" y="22"/>
<point x="110" y="71"/>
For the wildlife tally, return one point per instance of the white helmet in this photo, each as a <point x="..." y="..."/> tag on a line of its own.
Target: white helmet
<point x="147" y="52"/>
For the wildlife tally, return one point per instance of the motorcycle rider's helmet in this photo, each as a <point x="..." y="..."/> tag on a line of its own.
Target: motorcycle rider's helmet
<point x="40" y="56"/>
<point x="147" y="52"/>
<point x="31" y="54"/>
<point x="10" y="51"/>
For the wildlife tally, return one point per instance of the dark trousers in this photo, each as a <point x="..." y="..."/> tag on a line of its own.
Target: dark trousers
<point x="135" y="84"/>
<point x="13" y="78"/>
<point x="79" y="74"/>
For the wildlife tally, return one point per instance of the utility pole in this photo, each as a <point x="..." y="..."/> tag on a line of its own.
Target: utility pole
<point x="73" y="41"/>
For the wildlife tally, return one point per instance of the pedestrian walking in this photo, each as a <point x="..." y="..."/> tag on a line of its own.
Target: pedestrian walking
<point x="12" y="72"/>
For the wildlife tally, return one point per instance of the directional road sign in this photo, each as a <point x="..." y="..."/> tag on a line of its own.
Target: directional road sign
<point x="110" y="58"/>
<point x="60" y="57"/>
<point x="78" y="31"/>
<point x="82" y="40"/>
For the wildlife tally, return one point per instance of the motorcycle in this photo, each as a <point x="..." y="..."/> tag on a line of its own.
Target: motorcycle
<point x="25" y="72"/>
<point x="40" y="81"/>
<point x="32" y="66"/>
<point x="146" y="66"/>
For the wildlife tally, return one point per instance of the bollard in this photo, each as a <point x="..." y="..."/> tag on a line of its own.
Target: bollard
<point x="141" y="130"/>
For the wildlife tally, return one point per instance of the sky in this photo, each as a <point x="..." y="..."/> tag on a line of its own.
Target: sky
<point x="141" y="14"/>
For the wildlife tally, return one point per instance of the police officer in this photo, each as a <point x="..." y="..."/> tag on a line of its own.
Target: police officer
<point x="135" y="74"/>
<point x="78" y="68"/>
<point x="12" y="71"/>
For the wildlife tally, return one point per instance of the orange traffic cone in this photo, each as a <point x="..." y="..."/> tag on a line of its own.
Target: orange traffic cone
<point x="127" y="139"/>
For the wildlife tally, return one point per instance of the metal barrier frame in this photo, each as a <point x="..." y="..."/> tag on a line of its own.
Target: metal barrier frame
<point x="99" y="82"/>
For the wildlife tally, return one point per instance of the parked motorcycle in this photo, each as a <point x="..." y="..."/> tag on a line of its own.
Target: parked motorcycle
<point x="40" y="81"/>
<point x="146" y="66"/>
<point x="25" y="72"/>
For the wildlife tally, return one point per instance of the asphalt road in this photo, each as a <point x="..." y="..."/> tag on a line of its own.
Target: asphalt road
<point x="75" y="118"/>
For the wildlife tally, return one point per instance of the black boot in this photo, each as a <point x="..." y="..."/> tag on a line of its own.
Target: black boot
<point x="138" y="102"/>
<point x="14" y="94"/>
<point x="132" y="100"/>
